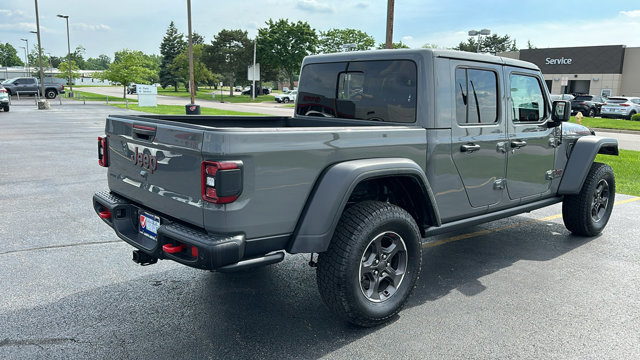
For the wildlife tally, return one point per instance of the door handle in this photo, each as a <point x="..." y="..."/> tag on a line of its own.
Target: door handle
<point x="469" y="148"/>
<point x="517" y="144"/>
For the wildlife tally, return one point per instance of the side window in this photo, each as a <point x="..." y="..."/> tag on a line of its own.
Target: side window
<point x="476" y="96"/>
<point x="527" y="101"/>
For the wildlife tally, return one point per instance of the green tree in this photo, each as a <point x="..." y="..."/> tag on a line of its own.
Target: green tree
<point x="229" y="54"/>
<point x="201" y="74"/>
<point x="196" y="38"/>
<point x="78" y="56"/>
<point x="395" y="45"/>
<point x="128" y="67"/>
<point x="64" y="70"/>
<point x="283" y="45"/>
<point x="9" y="55"/>
<point x="172" y="45"/>
<point x="331" y="41"/>
<point x="488" y="44"/>
<point x="100" y="63"/>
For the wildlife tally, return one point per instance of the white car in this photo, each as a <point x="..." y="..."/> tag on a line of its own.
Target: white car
<point x="285" y="98"/>
<point x="620" y="107"/>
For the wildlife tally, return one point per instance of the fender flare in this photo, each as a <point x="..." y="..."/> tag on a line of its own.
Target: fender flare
<point x="582" y="155"/>
<point x="329" y="197"/>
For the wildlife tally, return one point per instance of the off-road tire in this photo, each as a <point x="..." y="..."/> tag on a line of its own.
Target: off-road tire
<point x="50" y="94"/>
<point x="588" y="212"/>
<point x="340" y="276"/>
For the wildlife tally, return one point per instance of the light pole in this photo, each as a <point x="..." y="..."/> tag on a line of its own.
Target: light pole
<point x="27" y="58"/>
<point x="484" y="32"/>
<point x="192" y="109"/>
<point x="66" y="17"/>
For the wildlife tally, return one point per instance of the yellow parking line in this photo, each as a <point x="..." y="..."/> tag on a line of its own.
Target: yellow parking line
<point x="489" y="231"/>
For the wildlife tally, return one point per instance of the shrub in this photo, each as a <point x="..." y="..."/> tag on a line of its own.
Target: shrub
<point x="635" y="117"/>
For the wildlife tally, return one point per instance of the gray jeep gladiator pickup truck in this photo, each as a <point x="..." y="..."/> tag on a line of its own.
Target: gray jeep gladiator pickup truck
<point x="385" y="149"/>
<point x="31" y="86"/>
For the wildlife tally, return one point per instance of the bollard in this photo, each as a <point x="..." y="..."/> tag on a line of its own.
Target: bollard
<point x="127" y="101"/>
<point x="107" y="99"/>
<point x="84" y="101"/>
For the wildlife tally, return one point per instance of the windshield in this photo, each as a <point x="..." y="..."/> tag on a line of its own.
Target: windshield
<point x="8" y="81"/>
<point x="583" y="98"/>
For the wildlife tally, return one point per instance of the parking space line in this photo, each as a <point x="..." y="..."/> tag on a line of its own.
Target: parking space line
<point x="490" y="231"/>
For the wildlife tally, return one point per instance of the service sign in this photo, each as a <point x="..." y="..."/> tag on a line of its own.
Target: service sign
<point x="147" y="95"/>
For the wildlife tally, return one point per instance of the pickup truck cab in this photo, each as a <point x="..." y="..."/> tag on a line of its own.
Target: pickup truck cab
<point x="31" y="86"/>
<point x="386" y="148"/>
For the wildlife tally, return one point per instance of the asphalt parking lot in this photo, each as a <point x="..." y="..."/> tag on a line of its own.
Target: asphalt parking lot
<point x="516" y="288"/>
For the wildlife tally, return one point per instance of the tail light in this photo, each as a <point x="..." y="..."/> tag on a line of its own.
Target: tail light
<point x="62" y="87"/>
<point x="582" y="103"/>
<point x="3" y="90"/>
<point x="625" y="105"/>
<point x="103" y="154"/>
<point x="221" y="181"/>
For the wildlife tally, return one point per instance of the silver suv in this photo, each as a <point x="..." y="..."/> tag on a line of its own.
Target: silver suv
<point x="620" y="107"/>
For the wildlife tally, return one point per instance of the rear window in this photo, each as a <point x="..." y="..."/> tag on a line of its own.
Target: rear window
<point x="612" y="100"/>
<point x="362" y="90"/>
<point x="584" y="98"/>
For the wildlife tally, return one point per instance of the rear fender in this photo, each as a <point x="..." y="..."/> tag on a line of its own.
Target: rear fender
<point x="582" y="155"/>
<point x="327" y="201"/>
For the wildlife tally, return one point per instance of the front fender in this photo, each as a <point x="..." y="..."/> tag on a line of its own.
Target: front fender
<point x="327" y="202"/>
<point x="582" y="155"/>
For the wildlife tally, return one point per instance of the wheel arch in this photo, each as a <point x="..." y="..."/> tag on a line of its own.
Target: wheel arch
<point x="321" y="213"/>
<point x="582" y="156"/>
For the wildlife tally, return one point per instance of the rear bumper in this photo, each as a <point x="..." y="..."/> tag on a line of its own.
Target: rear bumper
<point x="212" y="251"/>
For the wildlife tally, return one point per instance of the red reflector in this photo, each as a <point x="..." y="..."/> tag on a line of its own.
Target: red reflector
<point x="194" y="251"/>
<point x="171" y="249"/>
<point x="105" y="214"/>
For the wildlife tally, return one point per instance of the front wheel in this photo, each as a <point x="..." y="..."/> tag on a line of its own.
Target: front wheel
<point x="6" y="108"/>
<point x="588" y="212"/>
<point x="372" y="263"/>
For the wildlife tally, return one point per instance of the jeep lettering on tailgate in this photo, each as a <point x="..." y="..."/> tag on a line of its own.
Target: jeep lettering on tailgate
<point x="146" y="161"/>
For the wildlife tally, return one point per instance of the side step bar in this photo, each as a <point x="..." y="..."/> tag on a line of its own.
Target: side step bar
<point x="251" y="263"/>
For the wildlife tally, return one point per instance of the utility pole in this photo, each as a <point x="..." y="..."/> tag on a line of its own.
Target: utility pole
<point x="390" y="5"/>
<point x="26" y="57"/>
<point x="39" y="50"/>
<point x="253" y="88"/>
<point x="191" y="81"/>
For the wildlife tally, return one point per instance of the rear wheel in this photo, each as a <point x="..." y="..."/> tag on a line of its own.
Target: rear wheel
<point x="592" y="113"/>
<point x="372" y="263"/>
<point x="51" y="94"/>
<point x="6" y="108"/>
<point x="631" y="114"/>
<point x="285" y="100"/>
<point x="588" y="212"/>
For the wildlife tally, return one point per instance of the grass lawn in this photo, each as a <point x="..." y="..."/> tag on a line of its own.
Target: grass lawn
<point x="180" y="110"/>
<point x="625" y="167"/>
<point x="97" y="97"/>
<point x="619" y="124"/>
<point x="205" y="94"/>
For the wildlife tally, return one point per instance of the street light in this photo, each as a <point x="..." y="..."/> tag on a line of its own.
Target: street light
<point x="45" y="103"/>
<point x="484" y="32"/>
<point x="27" y="58"/>
<point x="66" y="17"/>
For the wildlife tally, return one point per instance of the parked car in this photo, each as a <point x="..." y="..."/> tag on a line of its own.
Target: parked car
<point x="238" y="89"/>
<point x="4" y="99"/>
<point x="247" y="91"/>
<point x="555" y="97"/>
<point x="620" y="107"/>
<point x="30" y="86"/>
<point x="285" y="98"/>
<point x="588" y="105"/>
<point x="131" y="89"/>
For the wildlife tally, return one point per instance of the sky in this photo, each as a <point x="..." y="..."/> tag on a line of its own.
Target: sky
<point x="104" y="27"/>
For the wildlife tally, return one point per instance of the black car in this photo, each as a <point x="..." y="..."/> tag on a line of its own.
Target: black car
<point x="264" y="91"/>
<point x="588" y="105"/>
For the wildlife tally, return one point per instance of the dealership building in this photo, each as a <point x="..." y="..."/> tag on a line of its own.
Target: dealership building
<point x="597" y="70"/>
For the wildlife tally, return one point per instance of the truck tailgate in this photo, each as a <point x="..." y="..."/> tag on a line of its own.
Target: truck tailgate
<point x="157" y="165"/>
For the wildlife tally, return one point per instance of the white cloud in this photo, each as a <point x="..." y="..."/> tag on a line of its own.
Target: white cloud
<point x="21" y="26"/>
<point x="407" y="38"/>
<point x="7" y="12"/>
<point x="88" y="27"/>
<point x="313" y="5"/>
<point x="361" y="5"/>
<point x="631" y="13"/>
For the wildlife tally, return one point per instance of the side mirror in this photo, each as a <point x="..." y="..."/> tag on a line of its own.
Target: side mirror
<point x="560" y="111"/>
